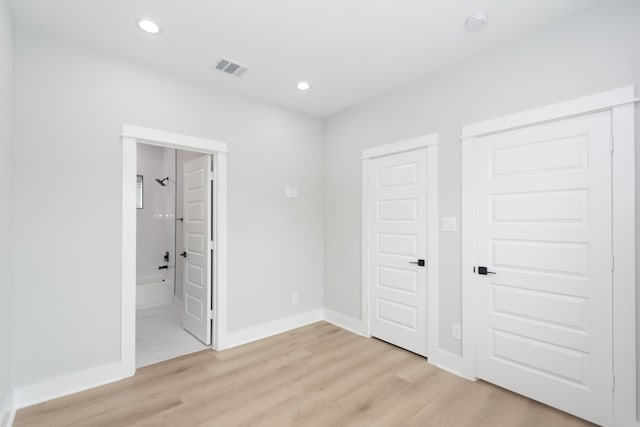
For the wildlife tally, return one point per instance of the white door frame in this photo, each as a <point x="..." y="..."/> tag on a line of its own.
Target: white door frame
<point x="131" y="136"/>
<point x="431" y="143"/>
<point x="621" y="104"/>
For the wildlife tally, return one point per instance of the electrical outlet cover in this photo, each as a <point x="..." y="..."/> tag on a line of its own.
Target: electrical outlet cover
<point x="449" y="223"/>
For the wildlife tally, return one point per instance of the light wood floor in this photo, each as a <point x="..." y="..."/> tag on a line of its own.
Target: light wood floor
<point x="318" y="375"/>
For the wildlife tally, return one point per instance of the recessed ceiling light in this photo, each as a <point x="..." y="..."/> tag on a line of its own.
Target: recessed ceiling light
<point x="476" y="22"/>
<point x="303" y="86"/>
<point x="149" y="26"/>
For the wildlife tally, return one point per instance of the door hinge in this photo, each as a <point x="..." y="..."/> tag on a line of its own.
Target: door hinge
<point x="613" y="262"/>
<point x="613" y="382"/>
<point x="211" y="245"/>
<point x="211" y="176"/>
<point x="210" y="314"/>
<point x="611" y="144"/>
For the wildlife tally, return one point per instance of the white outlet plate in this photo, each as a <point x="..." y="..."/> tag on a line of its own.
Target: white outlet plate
<point x="449" y="223"/>
<point x="456" y="331"/>
<point x="294" y="297"/>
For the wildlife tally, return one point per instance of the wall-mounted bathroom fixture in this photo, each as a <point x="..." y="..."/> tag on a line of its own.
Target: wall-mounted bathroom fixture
<point x="162" y="181"/>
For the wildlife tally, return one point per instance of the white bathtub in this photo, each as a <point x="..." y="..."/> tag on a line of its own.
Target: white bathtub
<point x="153" y="291"/>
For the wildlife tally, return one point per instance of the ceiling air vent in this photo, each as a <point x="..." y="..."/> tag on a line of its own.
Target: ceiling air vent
<point x="230" y="67"/>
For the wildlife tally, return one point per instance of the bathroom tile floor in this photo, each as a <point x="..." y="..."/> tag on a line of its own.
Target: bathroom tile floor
<point x="159" y="336"/>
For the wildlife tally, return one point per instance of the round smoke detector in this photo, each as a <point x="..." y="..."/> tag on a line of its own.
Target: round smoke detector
<point x="477" y="22"/>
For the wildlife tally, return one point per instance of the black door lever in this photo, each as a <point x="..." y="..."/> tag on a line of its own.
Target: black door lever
<point x="420" y="262"/>
<point x="484" y="271"/>
<point x="183" y="254"/>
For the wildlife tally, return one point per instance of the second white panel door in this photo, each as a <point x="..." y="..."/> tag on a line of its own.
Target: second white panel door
<point x="397" y="186"/>
<point x="542" y="225"/>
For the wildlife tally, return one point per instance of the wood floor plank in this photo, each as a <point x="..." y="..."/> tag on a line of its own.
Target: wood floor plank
<point x="75" y="411"/>
<point x="357" y="404"/>
<point x="318" y="375"/>
<point x="320" y="388"/>
<point x="254" y="383"/>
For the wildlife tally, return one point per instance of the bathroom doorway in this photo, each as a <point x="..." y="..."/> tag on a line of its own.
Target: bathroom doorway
<point x="174" y="266"/>
<point x="173" y="271"/>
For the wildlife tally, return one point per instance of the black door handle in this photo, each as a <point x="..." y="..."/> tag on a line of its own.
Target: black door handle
<point x="183" y="254"/>
<point x="420" y="262"/>
<point x="484" y="271"/>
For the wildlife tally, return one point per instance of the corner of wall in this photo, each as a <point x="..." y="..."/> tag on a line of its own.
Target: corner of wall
<point x="264" y="330"/>
<point x="8" y="412"/>
<point x="343" y="321"/>
<point x="7" y="406"/>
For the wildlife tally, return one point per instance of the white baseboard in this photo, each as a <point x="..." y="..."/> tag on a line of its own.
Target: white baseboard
<point x="8" y="410"/>
<point x="345" y="322"/>
<point x="449" y="362"/>
<point x="442" y="359"/>
<point x="64" y="385"/>
<point x="93" y="377"/>
<point x="275" y="327"/>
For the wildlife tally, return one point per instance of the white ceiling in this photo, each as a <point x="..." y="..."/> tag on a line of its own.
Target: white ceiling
<point x="349" y="50"/>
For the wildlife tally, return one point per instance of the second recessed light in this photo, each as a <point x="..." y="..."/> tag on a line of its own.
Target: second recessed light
<point x="149" y="26"/>
<point x="303" y="86"/>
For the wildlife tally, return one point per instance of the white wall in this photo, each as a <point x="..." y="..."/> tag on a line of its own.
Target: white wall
<point x="70" y="106"/>
<point x="6" y="65"/>
<point x="156" y="220"/>
<point x="593" y="52"/>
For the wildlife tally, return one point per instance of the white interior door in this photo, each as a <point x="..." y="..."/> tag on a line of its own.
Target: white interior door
<point x="397" y="249"/>
<point x="197" y="214"/>
<point x="542" y="228"/>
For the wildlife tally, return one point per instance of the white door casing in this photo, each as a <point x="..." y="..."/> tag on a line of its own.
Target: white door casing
<point x="542" y="223"/>
<point x="197" y="229"/>
<point x="397" y="240"/>
<point x="131" y="136"/>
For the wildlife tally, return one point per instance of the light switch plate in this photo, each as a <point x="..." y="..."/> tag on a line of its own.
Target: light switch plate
<point x="291" y="192"/>
<point x="449" y="223"/>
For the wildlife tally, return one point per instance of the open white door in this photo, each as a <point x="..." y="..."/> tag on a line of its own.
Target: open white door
<point x="397" y="249"/>
<point x="197" y="303"/>
<point x="542" y="249"/>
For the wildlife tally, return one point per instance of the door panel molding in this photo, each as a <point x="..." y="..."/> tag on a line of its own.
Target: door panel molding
<point x="620" y="103"/>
